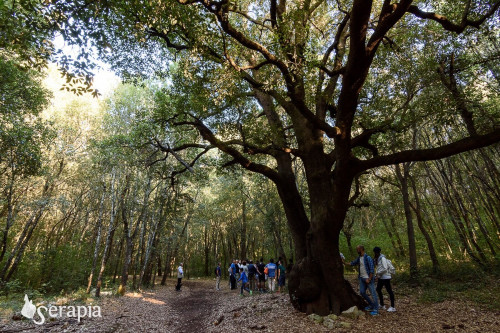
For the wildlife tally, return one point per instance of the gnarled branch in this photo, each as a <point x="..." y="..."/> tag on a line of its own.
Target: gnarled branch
<point x="450" y="26"/>
<point x="457" y="147"/>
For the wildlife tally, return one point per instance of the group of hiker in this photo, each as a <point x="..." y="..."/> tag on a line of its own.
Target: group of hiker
<point x="379" y="268"/>
<point x="253" y="277"/>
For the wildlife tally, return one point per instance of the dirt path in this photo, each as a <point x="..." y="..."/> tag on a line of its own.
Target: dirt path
<point x="194" y="306"/>
<point x="160" y="310"/>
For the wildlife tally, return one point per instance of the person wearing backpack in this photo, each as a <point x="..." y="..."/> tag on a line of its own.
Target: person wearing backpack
<point x="218" y="274"/>
<point x="383" y="273"/>
<point x="252" y="272"/>
<point x="180" y="275"/>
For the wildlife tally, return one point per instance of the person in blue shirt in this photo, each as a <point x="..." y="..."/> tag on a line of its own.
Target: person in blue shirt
<point x="244" y="282"/>
<point x="271" y="275"/>
<point x="232" y="275"/>
<point x="366" y="278"/>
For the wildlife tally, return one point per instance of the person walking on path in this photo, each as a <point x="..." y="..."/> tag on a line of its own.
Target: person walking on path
<point x="383" y="277"/>
<point x="180" y="275"/>
<point x="218" y="274"/>
<point x="244" y="282"/>
<point x="366" y="276"/>
<point x="271" y="275"/>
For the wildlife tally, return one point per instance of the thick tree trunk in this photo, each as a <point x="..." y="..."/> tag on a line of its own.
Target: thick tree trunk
<point x="317" y="283"/>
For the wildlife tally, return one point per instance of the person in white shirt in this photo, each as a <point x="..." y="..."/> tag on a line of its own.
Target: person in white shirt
<point x="180" y="275"/>
<point x="383" y="277"/>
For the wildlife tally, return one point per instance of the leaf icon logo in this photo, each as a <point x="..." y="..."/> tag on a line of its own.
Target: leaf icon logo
<point x="28" y="309"/>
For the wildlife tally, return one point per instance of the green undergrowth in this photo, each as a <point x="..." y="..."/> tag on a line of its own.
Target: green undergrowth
<point x="465" y="282"/>
<point x="13" y="302"/>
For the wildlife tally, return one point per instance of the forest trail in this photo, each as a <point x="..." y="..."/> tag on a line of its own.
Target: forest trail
<point x="200" y="308"/>
<point x="160" y="310"/>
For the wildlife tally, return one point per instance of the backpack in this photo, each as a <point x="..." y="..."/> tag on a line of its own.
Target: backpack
<point x="215" y="271"/>
<point x="390" y="267"/>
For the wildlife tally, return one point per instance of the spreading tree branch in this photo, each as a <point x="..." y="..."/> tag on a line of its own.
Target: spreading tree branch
<point x="457" y="147"/>
<point x="238" y="157"/>
<point x="450" y="26"/>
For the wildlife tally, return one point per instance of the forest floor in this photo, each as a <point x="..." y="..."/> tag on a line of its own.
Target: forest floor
<point x="200" y="308"/>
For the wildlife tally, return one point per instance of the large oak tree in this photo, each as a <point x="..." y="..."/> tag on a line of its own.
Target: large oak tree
<point x="271" y="82"/>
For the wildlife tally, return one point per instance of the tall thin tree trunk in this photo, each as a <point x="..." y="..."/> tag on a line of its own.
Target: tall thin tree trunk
<point x="243" y="231"/>
<point x="389" y="233"/>
<point x="126" y="236"/>
<point x="10" y="216"/>
<point x="98" y="239"/>
<point x="417" y="209"/>
<point x="118" y="261"/>
<point x="176" y="247"/>
<point x="109" y="238"/>
<point x="412" y="248"/>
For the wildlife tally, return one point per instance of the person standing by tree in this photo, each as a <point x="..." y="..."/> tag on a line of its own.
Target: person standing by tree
<point x="366" y="278"/>
<point x="289" y="267"/>
<point x="180" y="275"/>
<point x="281" y="276"/>
<point x="383" y="277"/>
<point x="218" y="274"/>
